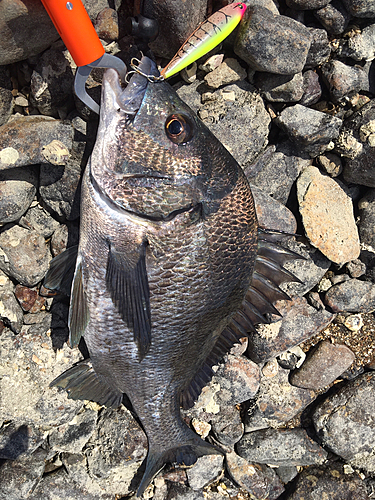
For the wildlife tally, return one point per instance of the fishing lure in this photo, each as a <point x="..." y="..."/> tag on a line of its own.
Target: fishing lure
<point x="206" y="37"/>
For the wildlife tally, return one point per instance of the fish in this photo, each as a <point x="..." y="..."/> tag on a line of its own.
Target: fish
<point x="172" y="268"/>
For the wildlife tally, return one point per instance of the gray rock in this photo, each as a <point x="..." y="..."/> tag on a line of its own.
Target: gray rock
<point x="277" y="402"/>
<point x="229" y="71"/>
<point x="10" y="311"/>
<point x="327" y="214"/>
<point x="52" y="83"/>
<point x="248" y="112"/>
<point x="40" y="220"/>
<point x="107" y="25"/>
<point x="271" y="213"/>
<point x="27" y="365"/>
<point x="344" y="422"/>
<point x="24" y="141"/>
<point x="258" y="480"/>
<point x="367" y="218"/>
<point x="360" y="8"/>
<point x="351" y="296"/>
<point x="331" y="163"/>
<point x="280" y="88"/>
<point x="361" y="46"/>
<point x="280" y="447"/>
<point x="320" y="49"/>
<point x="115" y="451"/>
<point x="272" y="43"/>
<point x="276" y="169"/>
<point x="6" y="96"/>
<point x="73" y="436"/>
<point x="18" y="441"/>
<point x="343" y="80"/>
<point x="356" y="268"/>
<point x="17" y="190"/>
<point x="18" y="478"/>
<point x="306" y="4"/>
<point x="190" y="15"/>
<point x="310" y="130"/>
<point x="227" y="426"/>
<point x="205" y="471"/>
<point x="312" y="90"/>
<point x="334" y="17"/>
<point x="323" y="365"/>
<point x="299" y="322"/>
<point x="287" y="473"/>
<point x="179" y="492"/>
<point x="329" y="482"/>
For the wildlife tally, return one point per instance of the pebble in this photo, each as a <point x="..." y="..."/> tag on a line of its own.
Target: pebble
<point x="327" y="214"/>
<point x="344" y="422"/>
<point x="205" y="471"/>
<point x="73" y="436"/>
<point x="29" y="299"/>
<point x="329" y="481"/>
<point x="40" y="220"/>
<point x="10" y="311"/>
<point x="6" y="96"/>
<point x="306" y="4"/>
<point x="277" y="402"/>
<point x="342" y="80"/>
<point x="351" y="296"/>
<point x="271" y="213"/>
<point x="22" y="140"/>
<point x="367" y="219"/>
<point x="286" y="473"/>
<point x="334" y="17"/>
<point x="229" y="71"/>
<point x="275" y="170"/>
<point x="330" y="163"/>
<point x="24" y="255"/>
<point x="312" y="90"/>
<point x="360" y="8"/>
<point x="106" y="24"/>
<point x="17" y="190"/>
<point x="281" y="447"/>
<point x="299" y="322"/>
<point x="227" y="426"/>
<point x="18" y="440"/>
<point x="260" y="481"/>
<point x="320" y="49"/>
<point x="212" y="63"/>
<point x="323" y="366"/>
<point x="189" y="74"/>
<point x="308" y="129"/>
<point x="280" y="88"/>
<point x="361" y="45"/>
<point x="272" y="43"/>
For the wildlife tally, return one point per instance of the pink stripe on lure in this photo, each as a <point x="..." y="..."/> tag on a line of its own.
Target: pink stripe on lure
<point x="206" y="37"/>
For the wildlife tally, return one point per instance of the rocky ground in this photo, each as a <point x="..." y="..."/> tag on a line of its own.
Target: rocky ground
<point x="291" y="95"/>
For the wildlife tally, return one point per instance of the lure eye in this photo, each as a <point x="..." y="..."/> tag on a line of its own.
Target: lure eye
<point x="178" y="129"/>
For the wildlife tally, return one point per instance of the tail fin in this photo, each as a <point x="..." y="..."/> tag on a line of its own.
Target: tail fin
<point x="185" y="454"/>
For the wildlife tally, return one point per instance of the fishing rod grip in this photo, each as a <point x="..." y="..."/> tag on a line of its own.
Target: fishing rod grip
<point x="76" y="30"/>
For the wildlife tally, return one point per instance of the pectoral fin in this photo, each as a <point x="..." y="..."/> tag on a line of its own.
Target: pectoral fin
<point x="127" y="282"/>
<point x="79" y="314"/>
<point x="61" y="271"/>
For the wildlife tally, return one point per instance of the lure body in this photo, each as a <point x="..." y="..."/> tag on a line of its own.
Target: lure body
<point x="206" y="37"/>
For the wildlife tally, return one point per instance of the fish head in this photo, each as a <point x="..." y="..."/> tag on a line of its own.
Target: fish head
<point x="153" y="156"/>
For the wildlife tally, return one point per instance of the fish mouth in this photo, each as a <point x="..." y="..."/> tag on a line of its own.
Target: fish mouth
<point x="128" y="99"/>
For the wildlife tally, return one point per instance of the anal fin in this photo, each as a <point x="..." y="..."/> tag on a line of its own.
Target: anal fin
<point x="81" y="382"/>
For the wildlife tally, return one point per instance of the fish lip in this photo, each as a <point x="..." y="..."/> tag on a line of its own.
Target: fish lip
<point x="128" y="99"/>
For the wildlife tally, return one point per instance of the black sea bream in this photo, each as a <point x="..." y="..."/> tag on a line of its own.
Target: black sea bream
<point x="171" y="269"/>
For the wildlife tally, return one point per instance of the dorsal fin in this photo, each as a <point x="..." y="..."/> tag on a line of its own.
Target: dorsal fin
<point x="268" y="274"/>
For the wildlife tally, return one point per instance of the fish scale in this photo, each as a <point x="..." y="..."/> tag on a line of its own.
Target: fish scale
<point x="163" y="285"/>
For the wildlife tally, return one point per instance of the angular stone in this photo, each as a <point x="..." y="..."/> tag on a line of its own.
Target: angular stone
<point x="312" y="90"/>
<point x="29" y="299"/>
<point x="329" y="481"/>
<point x="260" y="481"/>
<point x="73" y="436"/>
<point x="331" y="163"/>
<point x="271" y="213"/>
<point x="39" y="219"/>
<point x="106" y="25"/>
<point x="227" y="426"/>
<point x="361" y="46"/>
<point x="18" y="441"/>
<point x="367" y="218"/>
<point x="28" y="364"/>
<point x="310" y="130"/>
<point x="6" y="96"/>
<point x="277" y="402"/>
<point x="280" y="447"/>
<point x="24" y="255"/>
<point x="342" y="80"/>
<point x="10" y="310"/>
<point x="272" y="43"/>
<point x="360" y="8"/>
<point x="300" y="322"/>
<point x="275" y="170"/>
<point x="23" y="140"/>
<point x="306" y="4"/>
<point x="323" y="366"/>
<point x="345" y="423"/>
<point x="320" y="49"/>
<point x="17" y="190"/>
<point x="327" y="214"/>
<point x="334" y="17"/>
<point x="351" y="296"/>
<point x="229" y="71"/>
<point x="205" y="471"/>
<point x="280" y="88"/>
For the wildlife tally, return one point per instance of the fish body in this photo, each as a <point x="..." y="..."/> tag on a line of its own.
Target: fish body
<point x="206" y="37"/>
<point x="162" y="283"/>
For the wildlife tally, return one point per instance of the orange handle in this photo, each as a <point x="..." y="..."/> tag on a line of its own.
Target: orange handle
<point x="75" y="28"/>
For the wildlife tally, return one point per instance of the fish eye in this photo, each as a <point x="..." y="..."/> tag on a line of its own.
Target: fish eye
<point x="178" y="128"/>
<point x="240" y="6"/>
